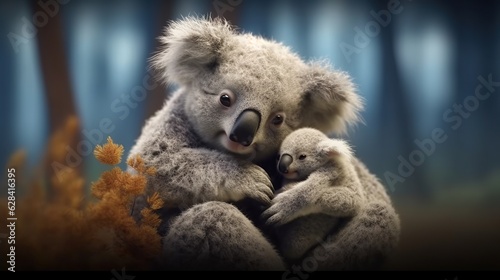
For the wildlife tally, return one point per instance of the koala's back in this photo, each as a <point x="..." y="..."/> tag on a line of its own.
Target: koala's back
<point x="371" y="187"/>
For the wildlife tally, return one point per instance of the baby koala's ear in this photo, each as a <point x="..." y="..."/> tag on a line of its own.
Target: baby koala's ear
<point x="329" y="99"/>
<point x="190" y="47"/>
<point x="335" y="148"/>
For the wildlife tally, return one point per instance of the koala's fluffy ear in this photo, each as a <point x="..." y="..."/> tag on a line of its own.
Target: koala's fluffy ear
<point x="329" y="102"/>
<point x="190" y="47"/>
<point x="333" y="148"/>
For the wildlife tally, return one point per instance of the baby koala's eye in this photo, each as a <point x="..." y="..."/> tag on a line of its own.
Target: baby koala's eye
<point x="278" y="119"/>
<point x="302" y="157"/>
<point x="225" y="100"/>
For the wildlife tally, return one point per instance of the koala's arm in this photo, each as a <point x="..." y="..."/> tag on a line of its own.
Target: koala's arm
<point x="187" y="171"/>
<point x="286" y="185"/>
<point x="338" y="200"/>
<point x="316" y="195"/>
<point x="194" y="175"/>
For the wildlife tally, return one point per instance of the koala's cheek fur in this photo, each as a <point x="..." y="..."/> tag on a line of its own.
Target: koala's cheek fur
<point x="269" y="139"/>
<point x="302" y="169"/>
<point x="205" y="115"/>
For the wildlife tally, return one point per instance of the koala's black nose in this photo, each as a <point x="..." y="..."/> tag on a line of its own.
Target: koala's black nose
<point x="284" y="162"/>
<point x="245" y="127"/>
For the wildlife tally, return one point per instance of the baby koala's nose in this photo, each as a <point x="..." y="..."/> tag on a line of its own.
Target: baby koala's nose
<point x="284" y="163"/>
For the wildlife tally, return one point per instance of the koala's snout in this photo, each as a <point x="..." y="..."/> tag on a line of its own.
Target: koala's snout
<point x="284" y="163"/>
<point x="245" y="127"/>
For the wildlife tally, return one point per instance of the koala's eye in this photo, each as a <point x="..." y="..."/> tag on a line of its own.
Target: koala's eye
<point x="278" y="119"/>
<point x="302" y="157"/>
<point x="225" y="100"/>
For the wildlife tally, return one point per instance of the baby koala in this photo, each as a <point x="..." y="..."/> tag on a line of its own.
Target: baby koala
<point x="320" y="188"/>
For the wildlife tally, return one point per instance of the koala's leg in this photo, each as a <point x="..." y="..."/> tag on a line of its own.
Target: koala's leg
<point x="363" y="243"/>
<point x="217" y="236"/>
<point x="302" y="234"/>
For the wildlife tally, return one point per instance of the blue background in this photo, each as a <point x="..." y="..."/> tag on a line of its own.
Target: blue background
<point x="414" y="69"/>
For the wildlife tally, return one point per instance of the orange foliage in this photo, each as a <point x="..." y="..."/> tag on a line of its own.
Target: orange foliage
<point x="59" y="228"/>
<point x="110" y="153"/>
<point x="138" y="164"/>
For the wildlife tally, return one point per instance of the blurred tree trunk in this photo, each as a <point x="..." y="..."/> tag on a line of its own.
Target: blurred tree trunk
<point x="157" y="95"/>
<point x="228" y="9"/>
<point x="397" y="109"/>
<point x="475" y="56"/>
<point x="490" y="109"/>
<point x="59" y="92"/>
<point x="55" y="70"/>
<point x="485" y="28"/>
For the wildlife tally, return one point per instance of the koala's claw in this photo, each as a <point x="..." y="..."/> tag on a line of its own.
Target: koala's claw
<point x="263" y="199"/>
<point x="268" y="191"/>
<point x="264" y="194"/>
<point x="259" y="175"/>
<point x="274" y="217"/>
<point x="250" y="181"/>
<point x="283" y="210"/>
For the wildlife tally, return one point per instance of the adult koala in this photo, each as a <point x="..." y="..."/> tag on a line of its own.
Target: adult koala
<point x="214" y="145"/>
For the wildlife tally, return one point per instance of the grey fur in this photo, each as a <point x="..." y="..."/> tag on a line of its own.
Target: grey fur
<point x="200" y="172"/>
<point x="222" y="238"/>
<point x="318" y="189"/>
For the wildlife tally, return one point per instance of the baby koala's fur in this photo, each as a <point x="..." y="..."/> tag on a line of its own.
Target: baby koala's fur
<point x="322" y="172"/>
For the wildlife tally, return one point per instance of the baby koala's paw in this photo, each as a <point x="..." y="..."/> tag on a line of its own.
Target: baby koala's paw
<point x="285" y="207"/>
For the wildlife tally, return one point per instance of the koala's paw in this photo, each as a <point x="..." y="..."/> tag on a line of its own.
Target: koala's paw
<point x="284" y="208"/>
<point x="250" y="181"/>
